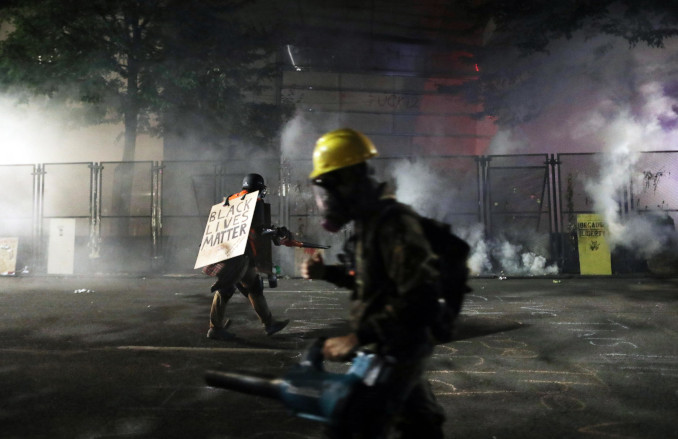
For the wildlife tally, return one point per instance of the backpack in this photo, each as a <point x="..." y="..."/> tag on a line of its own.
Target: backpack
<point x="452" y="252"/>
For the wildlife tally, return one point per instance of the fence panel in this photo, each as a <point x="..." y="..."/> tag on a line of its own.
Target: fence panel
<point x="518" y="194"/>
<point x="126" y="208"/>
<point x="519" y="216"/>
<point x="190" y="189"/>
<point x="17" y="209"/>
<point x="304" y="220"/>
<point x="655" y="187"/>
<point x="637" y="183"/>
<point x="16" y="200"/>
<point x="134" y="209"/>
<point x="577" y="170"/>
<point x="67" y="196"/>
<point x="442" y="187"/>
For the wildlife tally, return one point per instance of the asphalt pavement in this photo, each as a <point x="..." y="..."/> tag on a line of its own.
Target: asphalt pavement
<point x="125" y="357"/>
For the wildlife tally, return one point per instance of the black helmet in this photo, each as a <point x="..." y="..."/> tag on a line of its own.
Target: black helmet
<point x="253" y="182"/>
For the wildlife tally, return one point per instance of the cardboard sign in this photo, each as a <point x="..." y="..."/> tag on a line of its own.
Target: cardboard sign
<point x="8" y="250"/>
<point x="594" y="252"/>
<point x="227" y="229"/>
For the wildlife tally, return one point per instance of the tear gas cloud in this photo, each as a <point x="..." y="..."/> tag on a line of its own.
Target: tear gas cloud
<point x="21" y="129"/>
<point x="429" y="191"/>
<point x="298" y="137"/>
<point x="620" y="167"/>
<point x="599" y="95"/>
<point x="582" y="86"/>
<point x="23" y="132"/>
<point x="590" y="94"/>
<point x="417" y="185"/>
<point x="31" y="134"/>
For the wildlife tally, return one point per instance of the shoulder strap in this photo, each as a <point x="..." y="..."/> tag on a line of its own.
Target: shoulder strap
<point x="242" y="193"/>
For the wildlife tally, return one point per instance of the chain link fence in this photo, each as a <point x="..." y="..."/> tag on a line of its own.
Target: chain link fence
<point x="638" y="192"/>
<point x="139" y="217"/>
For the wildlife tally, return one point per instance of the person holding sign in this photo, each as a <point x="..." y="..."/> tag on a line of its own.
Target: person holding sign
<point x="393" y="275"/>
<point x="227" y="229"/>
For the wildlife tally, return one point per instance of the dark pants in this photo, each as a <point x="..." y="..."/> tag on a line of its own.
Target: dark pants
<point x="241" y="273"/>
<point x="405" y="404"/>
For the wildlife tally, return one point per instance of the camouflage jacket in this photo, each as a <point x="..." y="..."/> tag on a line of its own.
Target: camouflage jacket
<point x="392" y="272"/>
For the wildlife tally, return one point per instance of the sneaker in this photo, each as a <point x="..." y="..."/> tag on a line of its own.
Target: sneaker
<point x="275" y="326"/>
<point x="220" y="333"/>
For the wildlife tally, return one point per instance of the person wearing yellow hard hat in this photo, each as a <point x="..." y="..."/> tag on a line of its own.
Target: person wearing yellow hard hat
<point x="340" y="176"/>
<point x="392" y="271"/>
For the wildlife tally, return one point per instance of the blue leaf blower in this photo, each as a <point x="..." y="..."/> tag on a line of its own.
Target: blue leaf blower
<point x="311" y="392"/>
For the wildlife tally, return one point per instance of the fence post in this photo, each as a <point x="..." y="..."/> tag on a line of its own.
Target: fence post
<point x="37" y="256"/>
<point x="156" y="212"/>
<point x="283" y="192"/>
<point x="94" y="243"/>
<point x="557" y="244"/>
<point x="483" y="193"/>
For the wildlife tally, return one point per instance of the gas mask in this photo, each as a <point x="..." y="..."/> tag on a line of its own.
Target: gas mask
<point x="340" y="195"/>
<point x="333" y="208"/>
<point x="335" y="194"/>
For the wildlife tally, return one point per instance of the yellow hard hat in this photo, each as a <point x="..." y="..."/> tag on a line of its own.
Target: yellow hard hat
<point x="339" y="149"/>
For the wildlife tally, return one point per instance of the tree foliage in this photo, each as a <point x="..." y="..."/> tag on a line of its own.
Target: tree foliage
<point x="518" y="29"/>
<point x="159" y="66"/>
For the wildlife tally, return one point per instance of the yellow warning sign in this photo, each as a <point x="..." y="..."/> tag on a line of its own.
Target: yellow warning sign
<point x="594" y="252"/>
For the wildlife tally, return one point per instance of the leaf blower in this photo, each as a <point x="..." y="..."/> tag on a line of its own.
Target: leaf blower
<point x="311" y="392"/>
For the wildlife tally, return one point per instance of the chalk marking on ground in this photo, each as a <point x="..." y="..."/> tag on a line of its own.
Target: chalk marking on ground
<point x="615" y="356"/>
<point x="461" y="371"/>
<point x="44" y="351"/>
<point x="200" y="349"/>
<point x="564" y="383"/>
<point x="276" y="291"/>
<point x="597" y="429"/>
<point x="549" y="372"/>
<point x="476" y="393"/>
<point x="145" y="348"/>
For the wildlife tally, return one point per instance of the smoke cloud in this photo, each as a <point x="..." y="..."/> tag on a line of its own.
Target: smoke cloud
<point x="431" y="192"/>
<point x="422" y="187"/>
<point x="30" y="133"/>
<point x="23" y="132"/>
<point x="621" y="168"/>
<point x="298" y="138"/>
<point x="416" y="183"/>
<point x="600" y="95"/>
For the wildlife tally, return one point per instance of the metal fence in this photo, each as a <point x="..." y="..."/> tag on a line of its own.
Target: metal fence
<point x="149" y="216"/>
<point x="644" y="183"/>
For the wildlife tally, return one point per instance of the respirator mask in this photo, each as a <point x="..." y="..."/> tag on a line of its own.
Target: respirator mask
<point x="332" y="199"/>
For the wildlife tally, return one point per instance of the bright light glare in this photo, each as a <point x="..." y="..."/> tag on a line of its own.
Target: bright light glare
<point x="24" y="133"/>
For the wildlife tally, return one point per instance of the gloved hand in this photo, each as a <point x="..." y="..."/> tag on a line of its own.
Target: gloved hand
<point x="282" y="235"/>
<point x="313" y="267"/>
